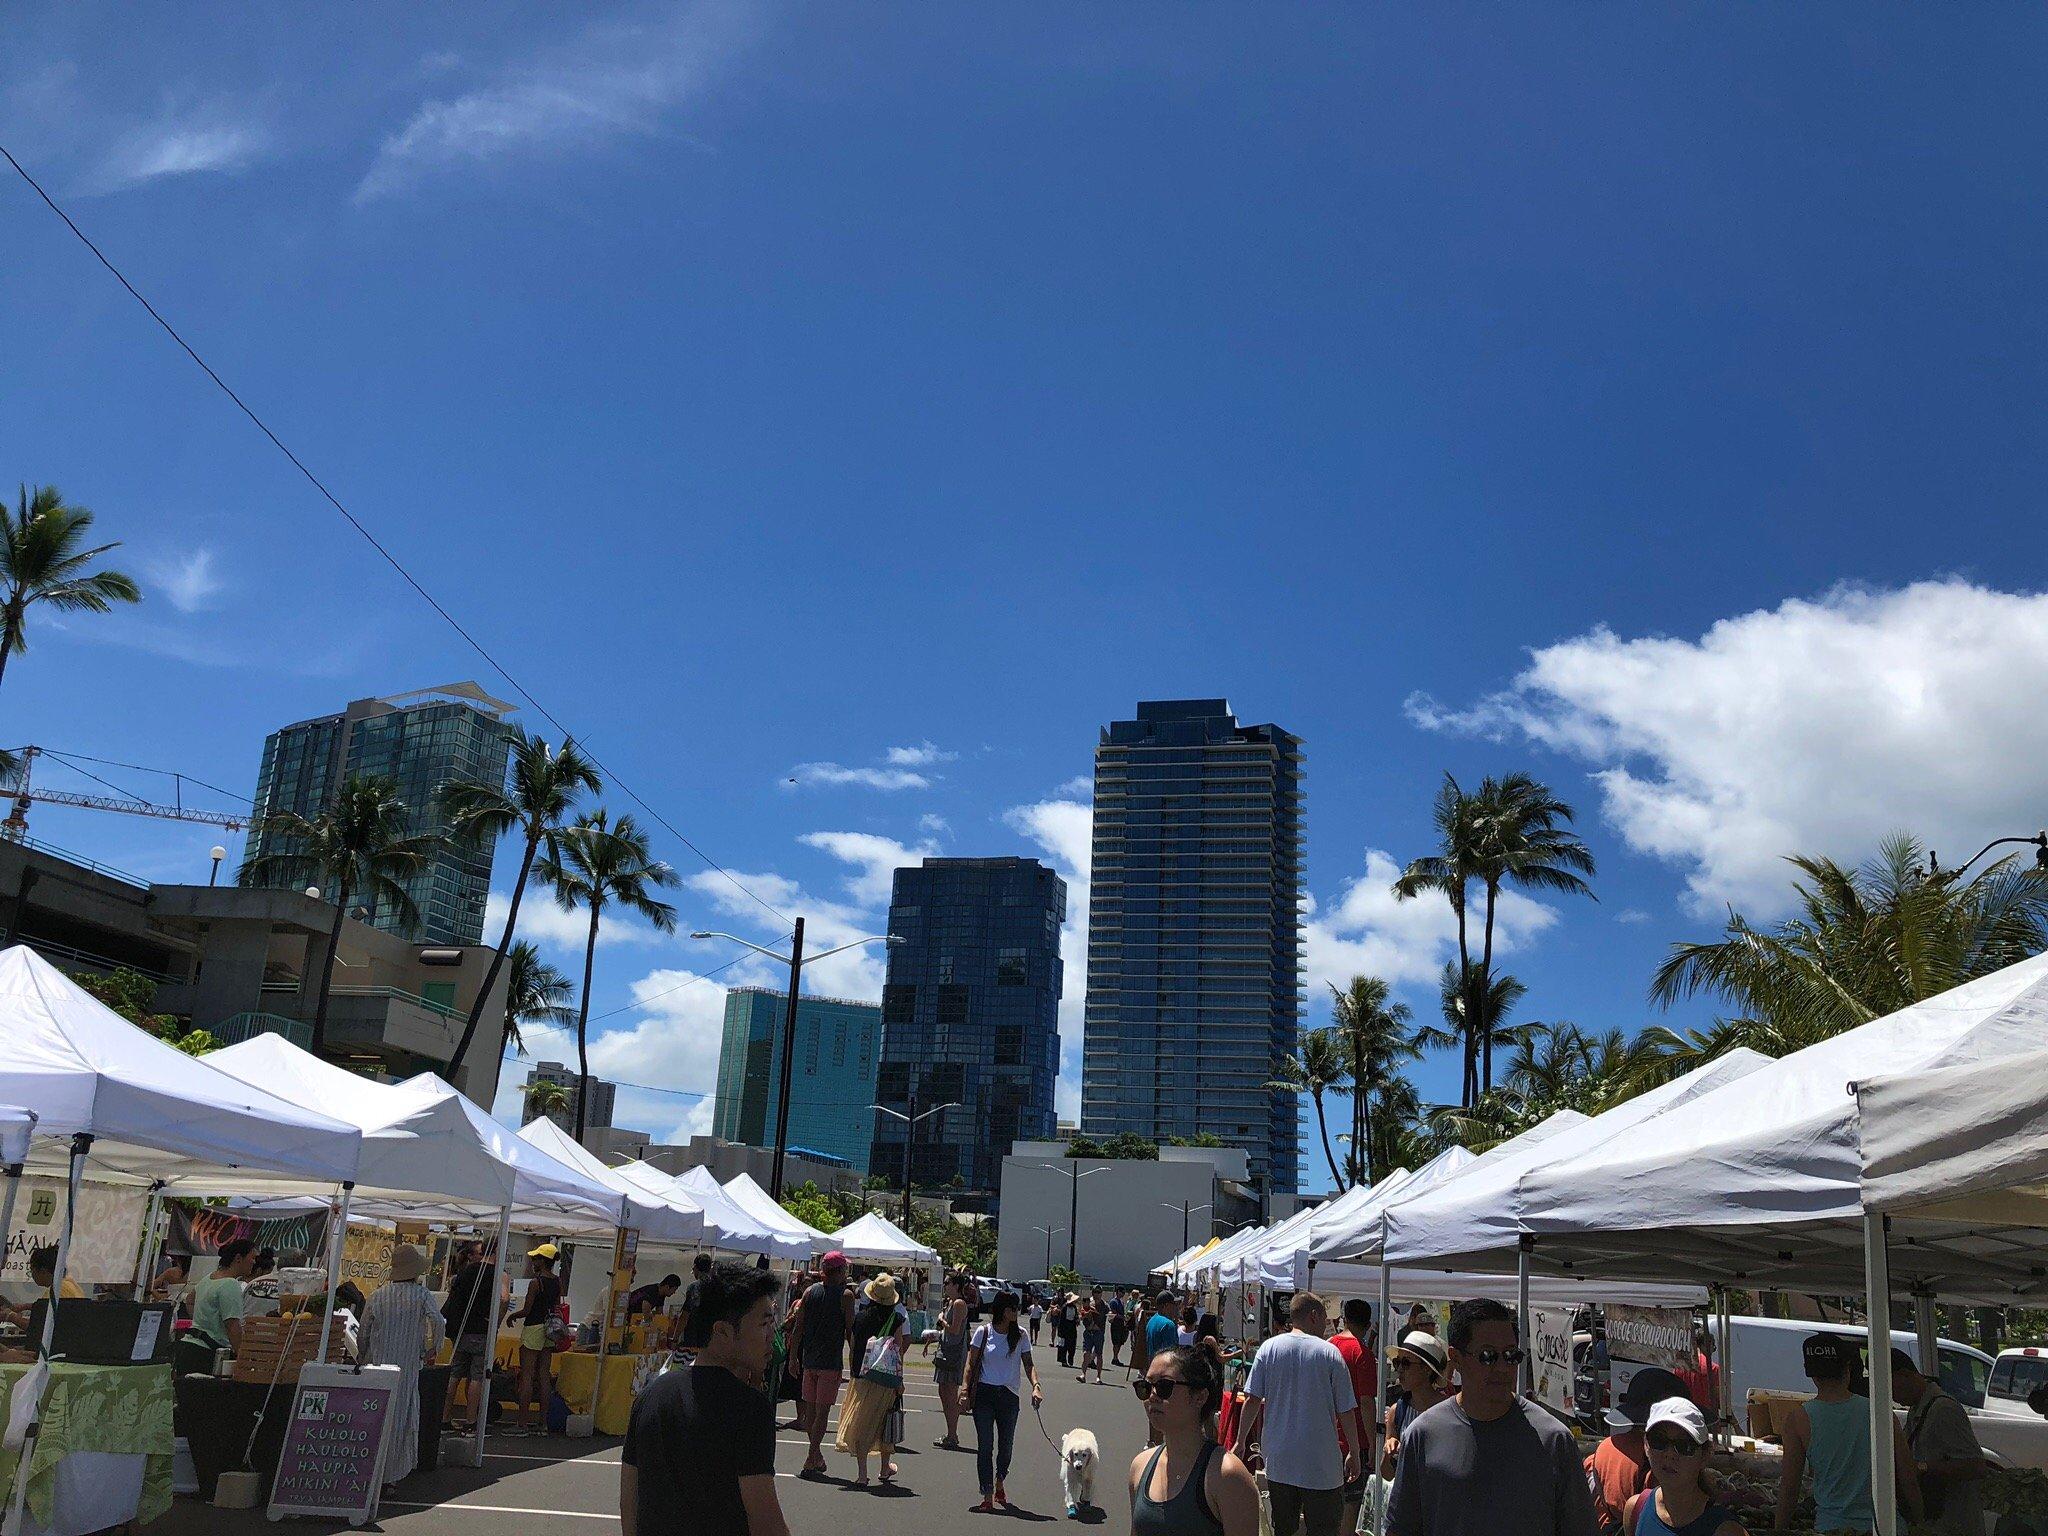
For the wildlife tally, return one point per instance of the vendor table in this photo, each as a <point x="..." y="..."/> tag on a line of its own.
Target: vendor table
<point x="575" y="1374"/>
<point x="103" y="1454"/>
<point x="215" y="1415"/>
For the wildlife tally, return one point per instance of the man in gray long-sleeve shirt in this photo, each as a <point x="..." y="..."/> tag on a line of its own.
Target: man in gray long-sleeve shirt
<point x="1485" y="1463"/>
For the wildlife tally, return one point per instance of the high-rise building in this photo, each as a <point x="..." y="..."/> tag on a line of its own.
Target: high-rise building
<point x="970" y="1016"/>
<point x="603" y="1096"/>
<point x="832" y="1080"/>
<point x="420" y="741"/>
<point x="1195" y="932"/>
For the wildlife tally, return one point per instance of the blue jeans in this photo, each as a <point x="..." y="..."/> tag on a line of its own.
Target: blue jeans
<point x="995" y="1433"/>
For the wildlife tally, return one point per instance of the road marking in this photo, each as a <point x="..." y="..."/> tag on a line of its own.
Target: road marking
<point x="499" y="1509"/>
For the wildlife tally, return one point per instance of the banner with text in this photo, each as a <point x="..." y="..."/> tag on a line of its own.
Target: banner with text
<point x="1652" y="1336"/>
<point x="1552" y="1336"/>
<point x="201" y="1229"/>
<point x="106" y="1239"/>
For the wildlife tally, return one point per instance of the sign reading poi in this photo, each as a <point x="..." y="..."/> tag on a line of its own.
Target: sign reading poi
<point x="332" y="1463"/>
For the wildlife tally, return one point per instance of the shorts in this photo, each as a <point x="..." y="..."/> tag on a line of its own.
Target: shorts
<point x="533" y="1336"/>
<point x="1091" y="1342"/>
<point x="472" y="1357"/>
<point x="821" y="1388"/>
<point x="946" y="1375"/>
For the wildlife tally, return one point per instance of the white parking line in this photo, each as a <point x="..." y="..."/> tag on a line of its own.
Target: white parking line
<point x="499" y="1509"/>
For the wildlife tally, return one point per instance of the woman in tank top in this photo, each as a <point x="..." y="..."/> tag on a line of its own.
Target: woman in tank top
<point x="950" y="1369"/>
<point x="1421" y="1371"/>
<point x="1677" y="1502"/>
<point x="1189" y="1485"/>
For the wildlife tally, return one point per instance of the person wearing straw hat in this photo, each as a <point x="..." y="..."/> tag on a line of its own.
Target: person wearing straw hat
<point x="402" y="1327"/>
<point x="866" y="1422"/>
<point x="1422" y="1373"/>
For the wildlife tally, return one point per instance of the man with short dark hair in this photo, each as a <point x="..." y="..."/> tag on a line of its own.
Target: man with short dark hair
<point x="1831" y="1433"/>
<point x="700" y="1448"/>
<point x="1947" y="1459"/>
<point x="1486" y="1463"/>
<point x="693" y="1331"/>
<point x="817" y="1353"/>
<point x="1298" y="1391"/>
<point x="648" y="1300"/>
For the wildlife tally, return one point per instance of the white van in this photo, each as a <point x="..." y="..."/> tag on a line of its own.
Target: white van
<point x="1765" y="1352"/>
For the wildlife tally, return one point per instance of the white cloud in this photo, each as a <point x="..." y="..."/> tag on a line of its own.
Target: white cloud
<point x="613" y="82"/>
<point x="921" y="756"/>
<point x="857" y="973"/>
<point x="547" y="925"/>
<point x="877" y="858"/>
<point x="1080" y="787"/>
<point x="1631" y="915"/>
<point x="1405" y="943"/>
<point x="178" y="149"/>
<point x="189" y="581"/>
<point x="1814" y="727"/>
<point x="807" y="774"/>
<point x="935" y="824"/>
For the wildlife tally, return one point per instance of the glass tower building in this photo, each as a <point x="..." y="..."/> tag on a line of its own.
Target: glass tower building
<point x="1195" y="932"/>
<point x="831" y="1086"/>
<point x="970" y="1016"/>
<point x="420" y="741"/>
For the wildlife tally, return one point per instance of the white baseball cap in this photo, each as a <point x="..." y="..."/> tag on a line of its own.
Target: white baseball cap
<point x="1682" y="1413"/>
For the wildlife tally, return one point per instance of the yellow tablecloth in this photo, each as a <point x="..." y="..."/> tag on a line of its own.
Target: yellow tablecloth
<point x="575" y="1373"/>
<point x="122" y="1409"/>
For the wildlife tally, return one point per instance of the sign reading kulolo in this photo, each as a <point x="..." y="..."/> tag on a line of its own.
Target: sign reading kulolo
<point x="1652" y="1336"/>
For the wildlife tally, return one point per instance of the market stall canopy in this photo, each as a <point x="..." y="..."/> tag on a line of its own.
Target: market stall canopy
<point x="1760" y="1182"/>
<point x="1283" y="1264"/>
<point x="726" y="1226"/>
<point x="1963" y="1144"/>
<point x="153" y="1111"/>
<point x="1174" y="1266"/>
<point x="874" y="1239"/>
<point x="1242" y="1267"/>
<point x="758" y="1203"/>
<point x="1208" y="1266"/>
<point x="15" y="1125"/>
<point x="1475" y="1221"/>
<point x="1410" y="1285"/>
<point x="670" y="1218"/>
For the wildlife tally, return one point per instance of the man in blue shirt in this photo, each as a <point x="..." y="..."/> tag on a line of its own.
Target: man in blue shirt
<point x="1161" y="1331"/>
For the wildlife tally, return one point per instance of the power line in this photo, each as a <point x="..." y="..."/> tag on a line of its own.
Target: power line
<point x="371" y="539"/>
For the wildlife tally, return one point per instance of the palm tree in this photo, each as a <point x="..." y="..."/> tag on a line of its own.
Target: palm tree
<point x="1375" y="1031"/>
<point x="544" y="1098"/>
<point x="360" y="846"/>
<point x="544" y="783"/>
<point x="535" y="993"/>
<point x="1561" y="1066"/>
<point x="1474" y="1017"/>
<point x="1863" y="943"/>
<point x="1317" y="1068"/>
<point x="597" y="863"/>
<point x="1451" y="871"/>
<point x="41" y="561"/>
<point x="1522" y="843"/>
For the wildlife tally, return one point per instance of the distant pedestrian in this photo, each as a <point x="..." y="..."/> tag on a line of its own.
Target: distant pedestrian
<point x="1420" y="1320"/>
<point x="1422" y="1376"/>
<point x="1680" y="1503"/>
<point x="866" y="1423"/>
<point x="695" y="1329"/>
<point x="1703" y="1378"/>
<point x="1119" y="1328"/>
<point x="1184" y="1334"/>
<point x="538" y="1317"/>
<point x="1830" y="1432"/>
<point x="471" y="1317"/>
<point x="1298" y="1390"/>
<point x="1161" y="1332"/>
<point x="998" y="1364"/>
<point x="1354" y="1342"/>
<point x="1094" y="1321"/>
<point x="700" y="1448"/>
<point x="1619" y="1467"/>
<point x="401" y="1326"/>
<point x="817" y="1354"/>
<point x="1486" y="1463"/>
<point x="1037" y="1315"/>
<point x="949" y="1369"/>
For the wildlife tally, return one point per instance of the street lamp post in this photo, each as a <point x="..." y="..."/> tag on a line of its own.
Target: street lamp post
<point x="797" y="960"/>
<point x="909" y="1132"/>
<point x="218" y="853"/>
<point x="1075" y="1175"/>
<point x="1048" y="1231"/>
<point x="2039" y="842"/>
<point x="1184" y="1208"/>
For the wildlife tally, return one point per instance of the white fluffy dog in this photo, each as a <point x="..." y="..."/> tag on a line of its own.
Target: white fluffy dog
<point x="1079" y="1457"/>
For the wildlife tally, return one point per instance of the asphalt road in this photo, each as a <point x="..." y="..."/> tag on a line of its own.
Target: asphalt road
<point x="574" y="1484"/>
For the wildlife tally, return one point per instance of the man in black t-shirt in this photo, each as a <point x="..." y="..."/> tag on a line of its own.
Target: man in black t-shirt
<point x="648" y="1300"/>
<point x="700" y="1448"/>
<point x="696" y="1329"/>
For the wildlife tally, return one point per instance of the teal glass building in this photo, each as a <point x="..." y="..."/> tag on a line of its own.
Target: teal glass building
<point x="838" y="1048"/>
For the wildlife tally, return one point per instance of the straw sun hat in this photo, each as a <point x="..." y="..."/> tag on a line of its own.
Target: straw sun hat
<point x="881" y="1290"/>
<point x="407" y="1263"/>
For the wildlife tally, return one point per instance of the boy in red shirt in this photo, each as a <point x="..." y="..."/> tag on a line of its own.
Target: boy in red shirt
<point x="1354" y="1342"/>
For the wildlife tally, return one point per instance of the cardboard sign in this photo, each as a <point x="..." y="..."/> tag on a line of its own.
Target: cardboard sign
<point x="1652" y="1336"/>
<point x="1551" y="1338"/>
<point x="332" y="1463"/>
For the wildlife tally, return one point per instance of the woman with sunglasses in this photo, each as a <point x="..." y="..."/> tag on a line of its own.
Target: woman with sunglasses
<point x="1421" y="1376"/>
<point x="998" y="1364"/>
<point x="1188" y="1485"/>
<point x="1678" y="1503"/>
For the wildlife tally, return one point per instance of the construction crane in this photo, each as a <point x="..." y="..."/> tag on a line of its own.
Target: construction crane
<point x="17" y="786"/>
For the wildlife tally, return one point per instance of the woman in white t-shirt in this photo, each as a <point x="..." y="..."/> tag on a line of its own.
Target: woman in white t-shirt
<point x="998" y="1364"/>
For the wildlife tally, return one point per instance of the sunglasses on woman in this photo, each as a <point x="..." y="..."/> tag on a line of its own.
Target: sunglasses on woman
<point x="1675" y="1445"/>
<point x="1162" y="1388"/>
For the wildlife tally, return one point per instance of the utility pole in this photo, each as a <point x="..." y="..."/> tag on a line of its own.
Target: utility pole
<point x="796" y="965"/>
<point x="1074" y="1218"/>
<point x="909" y="1135"/>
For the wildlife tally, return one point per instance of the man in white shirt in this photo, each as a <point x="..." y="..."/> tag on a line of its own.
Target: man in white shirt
<point x="1298" y="1389"/>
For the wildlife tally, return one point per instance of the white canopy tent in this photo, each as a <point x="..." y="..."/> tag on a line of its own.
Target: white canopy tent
<point x="673" y="1217"/>
<point x="726" y="1226"/>
<point x="759" y="1204"/>
<point x="15" y="1125"/>
<point x="1282" y="1264"/>
<point x="875" y="1239"/>
<point x="1209" y="1266"/>
<point x="1175" y="1266"/>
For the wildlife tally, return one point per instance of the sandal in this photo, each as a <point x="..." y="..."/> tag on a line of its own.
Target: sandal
<point x="985" y="1507"/>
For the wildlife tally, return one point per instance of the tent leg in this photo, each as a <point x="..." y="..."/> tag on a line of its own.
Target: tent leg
<point x="1724" y="1337"/>
<point x="1884" y="1491"/>
<point x="1924" y="1325"/>
<point x="335" y="1238"/>
<point x="145" y="1267"/>
<point x="482" y="1405"/>
<point x="17" y="1501"/>
<point x="1524" y="1247"/>
<point x="7" y="1200"/>
<point x="1389" y="1337"/>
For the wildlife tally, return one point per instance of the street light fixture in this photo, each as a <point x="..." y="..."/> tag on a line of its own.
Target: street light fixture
<point x="1048" y="1231"/>
<point x="909" y="1132"/>
<point x="796" y="960"/>
<point x="218" y="853"/>
<point x="1075" y="1175"/>
<point x="2039" y="841"/>
<point x="1184" y="1208"/>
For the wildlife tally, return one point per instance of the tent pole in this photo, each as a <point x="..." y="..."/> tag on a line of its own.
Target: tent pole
<point x="1884" y="1491"/>
<point x="336" y="1236"/>
<point x="1389" y="1336"/>
<point x="7" y="1200"/>
<point x="1525" y="1245"/>
<point x="1923" y="1323"/>
<point x="482" y="1405"/>
<point x="1725" y="1331"/>
<point x="81" y="1143"/>
<point x="147" y="1262"/>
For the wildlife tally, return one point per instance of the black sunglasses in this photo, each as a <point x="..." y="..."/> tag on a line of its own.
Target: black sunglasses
<point x="1677" y="1445"/>
<point x="1163" y="1387"/>
<point x="1500" y="1356"/>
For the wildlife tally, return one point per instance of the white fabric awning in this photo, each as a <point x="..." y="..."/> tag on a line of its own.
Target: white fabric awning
<point x="153" y="1111"/>
<point x="1207" y="1266"/>
<point x="1966" y="1144"/>
<point x="726" y="1226"/>
<point x="15" y="1125"/>
<point x="1760" y="1183"/>
<point x="875" y="1239"/>
<point x="1411" y="1285"/>
<point x="670" y="1218"/>
<point x="759" y="1204"/>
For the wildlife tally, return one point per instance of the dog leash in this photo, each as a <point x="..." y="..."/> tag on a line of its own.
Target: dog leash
<point x="1039" y="1414"/>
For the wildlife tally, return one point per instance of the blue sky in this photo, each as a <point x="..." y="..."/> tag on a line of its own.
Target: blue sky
<point x="1650" y="399"/>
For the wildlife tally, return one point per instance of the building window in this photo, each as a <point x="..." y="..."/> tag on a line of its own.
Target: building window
<point x="952" y="1004"/>
<point x="1010" y="968"/>
<point x="899" y="1004"/>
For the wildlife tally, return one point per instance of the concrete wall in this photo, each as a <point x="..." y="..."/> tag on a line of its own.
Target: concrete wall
<point x="1124" y="1229"/>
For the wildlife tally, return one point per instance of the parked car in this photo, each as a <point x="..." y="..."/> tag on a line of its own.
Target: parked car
<point x="2015" y="1377"/>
